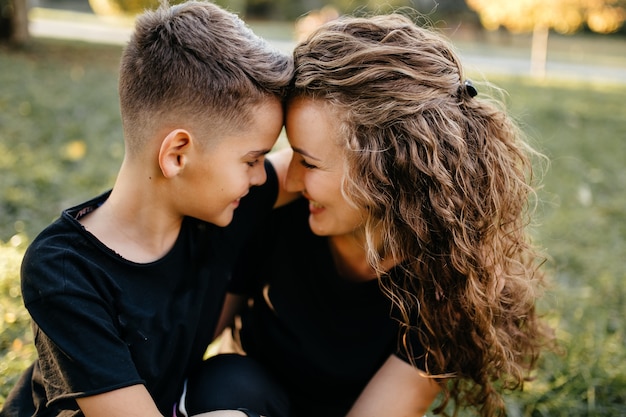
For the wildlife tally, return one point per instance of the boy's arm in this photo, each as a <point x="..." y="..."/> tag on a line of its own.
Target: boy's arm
<point x="280" y="161"/>
<point x="133" y="401"/>
<point x="397" y="390"/>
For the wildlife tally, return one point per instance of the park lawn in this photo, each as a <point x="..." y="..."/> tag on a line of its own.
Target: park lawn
<point x="581" y="224"/>
<point x="61" y="143"/>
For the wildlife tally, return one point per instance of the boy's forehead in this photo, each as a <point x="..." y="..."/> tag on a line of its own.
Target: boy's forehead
<point x="252" y="131"/>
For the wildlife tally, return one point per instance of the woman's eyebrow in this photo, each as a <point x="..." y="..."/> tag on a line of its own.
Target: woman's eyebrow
<point x="302" y="152"/>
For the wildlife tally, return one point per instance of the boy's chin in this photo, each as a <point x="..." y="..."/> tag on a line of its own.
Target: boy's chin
<point x="223" y="219"/>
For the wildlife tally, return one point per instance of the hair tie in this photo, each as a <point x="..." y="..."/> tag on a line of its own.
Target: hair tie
<point x="470" y="89"/>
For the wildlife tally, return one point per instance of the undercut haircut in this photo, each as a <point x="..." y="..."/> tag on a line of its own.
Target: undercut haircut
<point x="195" y="62"/>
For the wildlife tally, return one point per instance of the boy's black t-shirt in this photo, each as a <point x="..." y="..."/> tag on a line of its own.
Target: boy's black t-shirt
<point x="321" y="336"/>
<point x="101" y="322"/>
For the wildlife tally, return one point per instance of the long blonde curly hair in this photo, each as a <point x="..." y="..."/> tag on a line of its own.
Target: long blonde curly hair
<point x="445" y="178"/>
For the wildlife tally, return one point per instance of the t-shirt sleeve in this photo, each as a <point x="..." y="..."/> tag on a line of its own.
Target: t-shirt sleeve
<point x="251" y="262"/>
<point x="244" y="279"/>
<point x="251" y="213"/>
<point x="410" y="349"/>
<point x="259" y="251"/>
<point x="253" y="218"/>
<point x="79" y="345"/>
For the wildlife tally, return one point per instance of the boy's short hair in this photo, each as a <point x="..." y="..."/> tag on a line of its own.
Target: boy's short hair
<point x="195" y="62"/>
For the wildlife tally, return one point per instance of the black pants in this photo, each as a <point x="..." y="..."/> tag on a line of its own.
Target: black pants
<point x="231" y="381"/>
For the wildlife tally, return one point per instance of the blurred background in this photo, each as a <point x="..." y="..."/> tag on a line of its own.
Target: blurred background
<point x="561" y="64"/>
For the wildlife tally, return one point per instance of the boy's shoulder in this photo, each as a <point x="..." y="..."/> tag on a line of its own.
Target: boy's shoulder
<point x="67" y="223"/>
<point x="62" y="249"/>
<point x="80" y="210"/>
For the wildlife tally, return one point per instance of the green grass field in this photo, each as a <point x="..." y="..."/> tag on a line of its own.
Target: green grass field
<point x="60" y="143"/>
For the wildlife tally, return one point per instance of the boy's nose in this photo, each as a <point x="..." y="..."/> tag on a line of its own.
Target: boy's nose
<point x="259" y="176"/>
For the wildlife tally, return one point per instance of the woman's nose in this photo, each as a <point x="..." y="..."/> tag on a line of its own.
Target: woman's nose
<point x="293" y="182"/>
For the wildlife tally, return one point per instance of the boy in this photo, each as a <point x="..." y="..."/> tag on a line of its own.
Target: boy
<point x="125" y="290"/>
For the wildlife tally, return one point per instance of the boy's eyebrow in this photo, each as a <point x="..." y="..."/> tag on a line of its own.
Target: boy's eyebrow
<point x="256" y="154"/>
<point x="302" y="152"/>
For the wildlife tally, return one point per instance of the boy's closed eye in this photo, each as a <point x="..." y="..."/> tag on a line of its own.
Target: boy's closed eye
<point x="255" y="157"/>
<point x="253" y="163"/>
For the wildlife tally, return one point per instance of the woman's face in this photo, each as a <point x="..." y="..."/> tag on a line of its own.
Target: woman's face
<point x="317" y="168"/>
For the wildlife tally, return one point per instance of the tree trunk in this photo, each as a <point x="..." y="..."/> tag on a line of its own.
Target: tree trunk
<point x="539" y="51"/>
<point x="20" y="33"/>
<point x="5" y="20"/>
<point x="14" y="21"/>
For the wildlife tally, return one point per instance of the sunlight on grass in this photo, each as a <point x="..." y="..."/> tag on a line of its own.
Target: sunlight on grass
<point x="580" y="127"/>
<point x="16" y="348"/>
<point x="62" y="143"/>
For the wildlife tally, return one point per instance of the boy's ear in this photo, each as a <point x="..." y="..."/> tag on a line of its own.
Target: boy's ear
<point x="173" y="154"/>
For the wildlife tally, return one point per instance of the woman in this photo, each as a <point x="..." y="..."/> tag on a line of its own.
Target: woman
<point x="416" y="189"/>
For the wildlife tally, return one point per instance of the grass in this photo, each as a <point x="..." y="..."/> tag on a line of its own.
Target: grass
<point x="581" y="225"/>
<point x="61" y="137"/>
<point x="61" y="143"/>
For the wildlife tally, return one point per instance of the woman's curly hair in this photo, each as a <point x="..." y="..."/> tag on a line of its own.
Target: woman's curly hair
<point x="446" y="181"/>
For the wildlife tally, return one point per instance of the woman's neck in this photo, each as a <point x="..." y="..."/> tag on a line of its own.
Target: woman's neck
<point x="349" y="253"/>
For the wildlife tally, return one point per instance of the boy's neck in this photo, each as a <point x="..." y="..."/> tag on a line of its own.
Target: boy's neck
<point x="135" y="221"/>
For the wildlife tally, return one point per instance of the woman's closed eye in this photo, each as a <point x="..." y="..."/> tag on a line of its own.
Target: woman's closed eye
<point x="307" y="165"/>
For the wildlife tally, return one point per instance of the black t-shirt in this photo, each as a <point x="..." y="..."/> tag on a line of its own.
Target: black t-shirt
<point x="101" y="322"/>
<point x="321" y="336"/>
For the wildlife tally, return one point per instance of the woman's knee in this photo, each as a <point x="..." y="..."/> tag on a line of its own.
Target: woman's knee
<point x="233" y="381"/>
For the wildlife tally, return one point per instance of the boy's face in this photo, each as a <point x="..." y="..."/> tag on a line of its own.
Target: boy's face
<point x="224" y="172"/>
